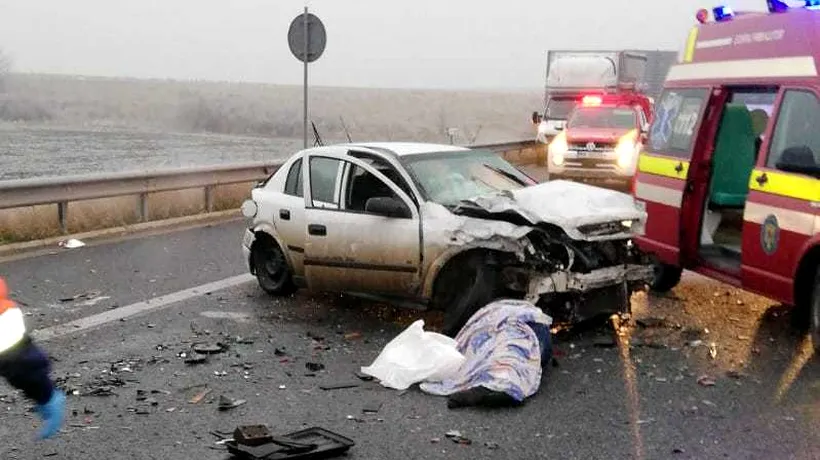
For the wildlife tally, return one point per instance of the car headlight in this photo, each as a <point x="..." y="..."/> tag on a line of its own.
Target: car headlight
<point x="627" y="149"/>
<point x="249" y="209"/>
<point x="558" y="148"/>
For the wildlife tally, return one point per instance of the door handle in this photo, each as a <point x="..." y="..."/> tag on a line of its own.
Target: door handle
<point x="284" y="214"/>
<point x="316" y="229"/>
<point x="762" y="179"/>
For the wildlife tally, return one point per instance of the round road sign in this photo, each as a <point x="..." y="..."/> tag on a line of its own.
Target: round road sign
<point x="317" y="37"/>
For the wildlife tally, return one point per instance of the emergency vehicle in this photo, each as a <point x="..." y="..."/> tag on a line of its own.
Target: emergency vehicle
<point x="602" y="139"/>
<point x="730" y="176"/>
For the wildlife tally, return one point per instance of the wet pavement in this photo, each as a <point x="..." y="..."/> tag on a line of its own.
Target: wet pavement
<point x="706" y="372"/>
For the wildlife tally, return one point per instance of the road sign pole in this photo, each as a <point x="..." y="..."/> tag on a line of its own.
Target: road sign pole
<point x="306" y="45"/>
<point x="305" y="95"/>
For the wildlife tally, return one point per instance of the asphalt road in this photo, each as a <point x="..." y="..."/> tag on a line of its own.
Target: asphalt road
<point x="603" y="401"/>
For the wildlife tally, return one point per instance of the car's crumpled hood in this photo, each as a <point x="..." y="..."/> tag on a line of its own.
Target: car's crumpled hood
<point x="566" y="204"/>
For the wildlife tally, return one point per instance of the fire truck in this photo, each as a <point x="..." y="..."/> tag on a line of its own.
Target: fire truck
<point x="572" y="75"/>
<point x="602" y="139"/>
<point x="730" y="173"/>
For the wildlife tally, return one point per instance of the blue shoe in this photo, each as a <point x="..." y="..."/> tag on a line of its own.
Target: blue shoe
<point x="52" y="413"/>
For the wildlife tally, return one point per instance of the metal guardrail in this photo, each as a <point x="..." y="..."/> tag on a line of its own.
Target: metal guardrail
<point x="19" y="193"/>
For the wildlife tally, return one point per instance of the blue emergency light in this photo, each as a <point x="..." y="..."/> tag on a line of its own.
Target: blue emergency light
<point x="780" y="6"/>
<point x="722" y="13"/>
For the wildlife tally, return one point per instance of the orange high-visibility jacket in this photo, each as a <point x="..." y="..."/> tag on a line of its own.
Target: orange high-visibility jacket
<point x="12" y="325"/>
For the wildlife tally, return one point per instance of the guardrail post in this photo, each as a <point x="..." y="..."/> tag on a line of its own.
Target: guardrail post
<point x="209" y="198"/>
<point x="62" y="215"/>
<point x="143" y="207"/>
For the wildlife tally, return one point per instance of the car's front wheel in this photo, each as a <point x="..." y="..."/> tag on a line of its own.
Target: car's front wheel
<point x="463" y="287"/>
<point x="271" y="268"/>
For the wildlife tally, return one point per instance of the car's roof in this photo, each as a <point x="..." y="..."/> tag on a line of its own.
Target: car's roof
<point x="409" y="148"/>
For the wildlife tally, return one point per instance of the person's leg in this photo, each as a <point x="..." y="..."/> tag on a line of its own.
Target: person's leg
<point x="27" y="368"/>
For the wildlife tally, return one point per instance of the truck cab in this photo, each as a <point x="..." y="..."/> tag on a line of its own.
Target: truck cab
<point x="602" y="140"/>
<point x="730" y="174"/>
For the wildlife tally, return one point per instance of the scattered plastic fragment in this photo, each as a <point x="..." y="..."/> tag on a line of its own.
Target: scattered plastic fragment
<point x="72" y="243"/>
<point x="200" y="396"/>
<point x="314" y="367"/>
<point x="226" y="403"/>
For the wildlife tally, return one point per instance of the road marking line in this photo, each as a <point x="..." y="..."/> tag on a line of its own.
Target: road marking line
<point x="138" y="308"/>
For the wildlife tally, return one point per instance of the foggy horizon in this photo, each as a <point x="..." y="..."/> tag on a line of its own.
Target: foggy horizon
<point x="421" y="45"/>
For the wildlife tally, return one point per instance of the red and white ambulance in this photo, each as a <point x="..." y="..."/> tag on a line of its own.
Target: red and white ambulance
<point x="730" y="174"/>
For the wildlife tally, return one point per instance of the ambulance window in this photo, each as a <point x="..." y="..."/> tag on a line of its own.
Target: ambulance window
<point x="796" y="132"/>
<point x="673" y="130"/>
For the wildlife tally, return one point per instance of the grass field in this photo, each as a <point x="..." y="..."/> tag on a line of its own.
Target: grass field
<point x="266" y="110"/>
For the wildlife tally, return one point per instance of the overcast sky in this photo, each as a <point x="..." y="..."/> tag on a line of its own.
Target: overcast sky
<point x="386" y="43"/>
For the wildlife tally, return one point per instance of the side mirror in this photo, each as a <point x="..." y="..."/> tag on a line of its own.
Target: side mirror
<point x="387" y="207"/>
<point x="536" y="118"/>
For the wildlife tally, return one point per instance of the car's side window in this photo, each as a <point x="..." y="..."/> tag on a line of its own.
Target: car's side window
<point x="796" y="138"/>
<point x="362" y="186"/>
<point x="293" y="184"/>
<point x="323" y="175"/>
<point x="677" y="116"/>
<point x="388" y="170"/>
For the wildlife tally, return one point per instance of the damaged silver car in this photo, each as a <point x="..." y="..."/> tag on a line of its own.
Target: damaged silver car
<point x="442" y="227"/>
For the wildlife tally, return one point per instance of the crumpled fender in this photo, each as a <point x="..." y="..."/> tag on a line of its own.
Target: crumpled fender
<point x="270" y="230"/>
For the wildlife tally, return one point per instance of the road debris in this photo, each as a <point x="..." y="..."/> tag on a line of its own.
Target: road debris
<point x="372" y="407"/>
<point x="72" y="243"/>
<point x="196" y="358"/>
<point x="491" y="445"/>
<point x="200" y="396"/>
<point x="706" y="381"/>
<point x="210" y="349"/>
<point x="353" y="336"/>
<point x="713" y="350"/>
<point x="256" y="442"/>
<point x="338" y="386"/>
<point x="88" y="295"/>
<point x="227" y="403"/>
<point x="458" y="438"/>
<point x="314" y="367"/>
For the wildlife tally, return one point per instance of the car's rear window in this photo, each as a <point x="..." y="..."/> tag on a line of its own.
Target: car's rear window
<point x="677" y="117"/>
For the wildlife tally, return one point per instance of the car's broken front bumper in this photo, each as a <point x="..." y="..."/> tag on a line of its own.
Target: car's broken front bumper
<point x="574" y="297"/>
<point x="551" y="283"/>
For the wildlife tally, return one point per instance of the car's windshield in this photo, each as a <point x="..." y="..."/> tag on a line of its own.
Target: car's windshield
<point x="603" y="117"/>
<point x="448" y="178"/>
<point x="559" y="109"/>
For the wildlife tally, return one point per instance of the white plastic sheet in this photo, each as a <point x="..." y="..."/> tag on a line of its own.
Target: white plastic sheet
<point x="415" y="356"/>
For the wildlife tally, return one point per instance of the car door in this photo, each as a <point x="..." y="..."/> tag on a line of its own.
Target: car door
<point x="663" y="177"/>
<point x="287" y="213"/>
<point x="349" y="249"/>
<point x="781" y="212"/>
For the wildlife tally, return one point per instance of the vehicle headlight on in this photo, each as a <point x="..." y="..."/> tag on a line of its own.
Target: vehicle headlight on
<point x="627" y="149"/>
<point x="249" y="209"/>
<point x="558" y="148"/>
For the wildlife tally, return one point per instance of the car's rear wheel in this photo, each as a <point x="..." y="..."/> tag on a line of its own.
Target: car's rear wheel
<point x="464" y="287"/>
<point x="814" y="312"/>
<point x="271" y="268"/>
<point x="666" y="277"/>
